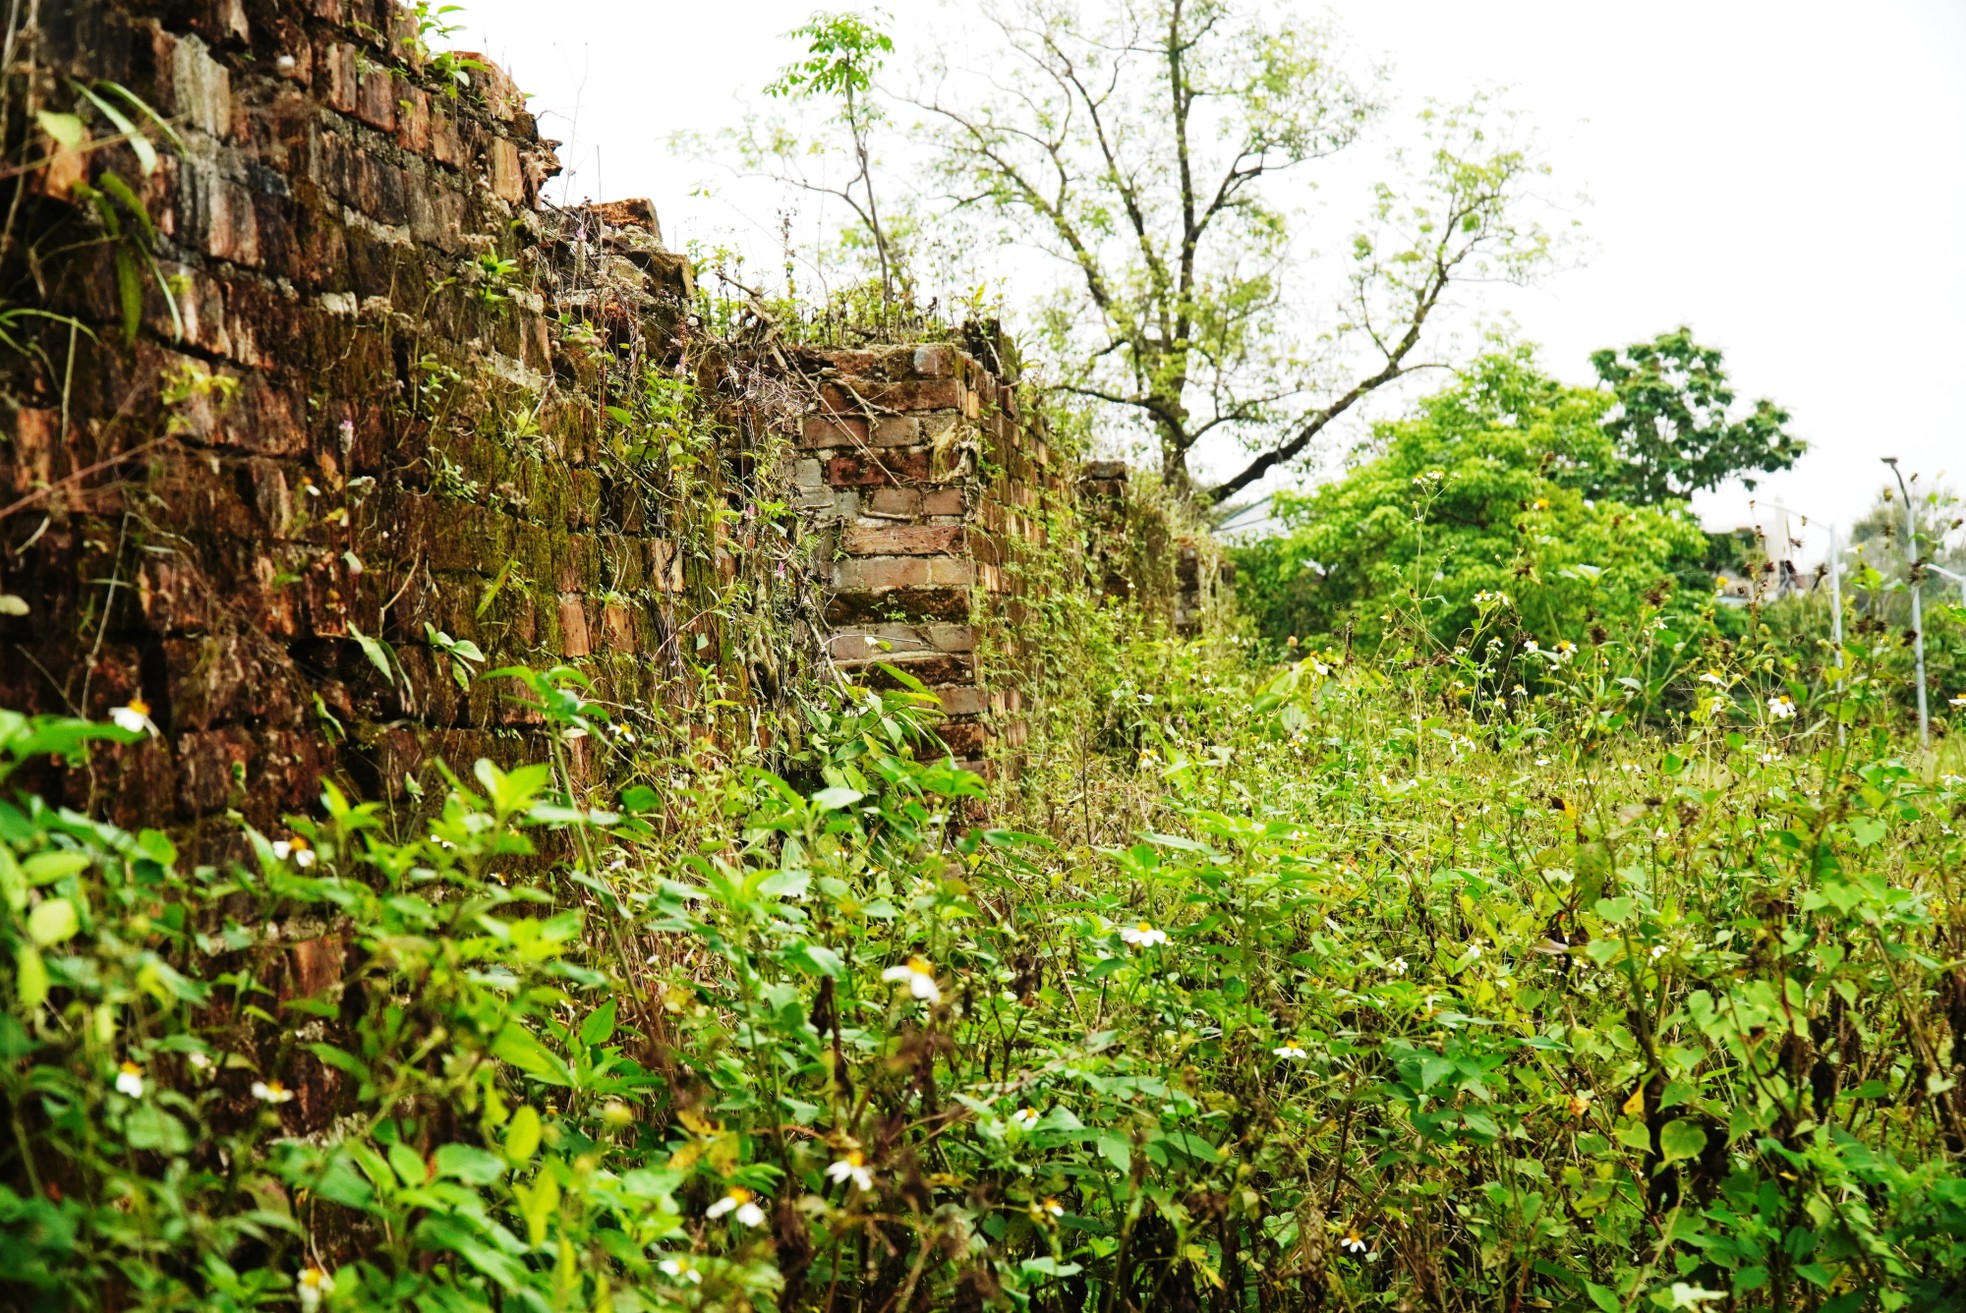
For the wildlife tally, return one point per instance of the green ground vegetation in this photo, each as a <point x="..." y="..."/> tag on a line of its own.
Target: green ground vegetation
<point x="1616" y="975"/>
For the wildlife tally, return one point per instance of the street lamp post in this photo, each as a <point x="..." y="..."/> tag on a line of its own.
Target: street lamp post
<point x="1917" y="611"/>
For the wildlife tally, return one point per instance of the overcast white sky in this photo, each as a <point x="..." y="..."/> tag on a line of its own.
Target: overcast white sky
<point x="1787" y="176"/>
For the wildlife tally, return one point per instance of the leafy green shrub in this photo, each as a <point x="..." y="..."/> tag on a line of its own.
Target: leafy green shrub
<point x="1336" y="988"/>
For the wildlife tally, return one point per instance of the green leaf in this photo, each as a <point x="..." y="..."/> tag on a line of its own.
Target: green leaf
<point x="52" y="921"/>
<point x="1682" y="1139"/>
<point x="408" y="1164"/>
<point x="522" y="1135"/>
<point x="523" y="1050"/>
<point x="13" y="881"/>
<point x="373" y="649"/>
<point x="598" y="1029"/>
<point x="785" y="884"/>
<point x="150" y="1127"/>
<point x="30" y="977"/>
<point x="835" y="798"/>
<point x="340" y="1183"/>
<point x="1867" y="831"/>
<point x="46" y="868"/>
<point x="129" y="292"/>
<point x="145" y="152"/>
<point x="452" y="1233"/>
<point x="815" y="959"/>
<point x="469" y="1164"/>
<point x="66" y="129"/>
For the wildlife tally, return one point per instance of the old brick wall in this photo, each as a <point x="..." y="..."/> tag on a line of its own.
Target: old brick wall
<point x="382" y="402"/>
<point x="377" y="389"/>
<point x="924" y="474"/>
<point x="1145" y="547"/>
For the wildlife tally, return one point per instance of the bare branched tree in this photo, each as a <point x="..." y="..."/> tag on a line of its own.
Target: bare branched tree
<point x="1139" y="142"/>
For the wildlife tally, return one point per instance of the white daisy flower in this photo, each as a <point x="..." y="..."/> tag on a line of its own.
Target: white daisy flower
<point x="1024" y="1118"/>
<point x="1045" y="1211"/>
<point x="1781" y="707"/>
<point x="853" y="1168"/>
<point x="1291" y="1052"/>
<point x="1353" y="1242"/>
<point x="312" y="1284"/>
<point x="134" y="717"/>
<point x="1142" y="935"/>
<point x="297" y="848"/>
<point x="1398" y="966"/>
<point x="919" y="977"/>
<point x="682" y="1270"/>
<point x="272" y="1091"/>
<point x="1715" y="678"/>
<point x="740" y="1202"/>
<point x="129" y="1080"/>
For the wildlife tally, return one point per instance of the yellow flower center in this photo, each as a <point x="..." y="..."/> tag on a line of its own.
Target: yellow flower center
<point x="855" y="1158"/>
<point x="298" y="844"/>
<point x="131" y="1069"/>
<point x="740" y="1195"/>
<point x="137" y="706"/>
<point x="1144" y="928"/>
<point x="920" y="966"/>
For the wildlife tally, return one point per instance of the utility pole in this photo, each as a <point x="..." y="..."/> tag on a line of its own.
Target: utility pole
<point x="1917" y="610"/>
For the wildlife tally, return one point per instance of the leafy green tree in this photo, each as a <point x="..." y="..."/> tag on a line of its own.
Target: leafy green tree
<point x="1485" y="490"/>
<point x="1674" y="422"/>
<point x="1142" y="143"/>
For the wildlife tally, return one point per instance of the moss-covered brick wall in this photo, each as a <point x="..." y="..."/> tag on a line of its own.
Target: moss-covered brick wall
<point x="373" y="386"/>
<point x="922" y="471"/>
<point x="311" y="384"/>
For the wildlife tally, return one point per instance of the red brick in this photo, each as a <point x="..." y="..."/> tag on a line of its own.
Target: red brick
<point x="965" y="738"/>
<point x="891" y="502"/>
<point x="375" y="98"/>
<point x="446" y="142"/>
<point x="340" y="81"/>
<point x="573" y="628"/>
<point x="902" y="540"/>
<point x="507" y="178"/>
<point x="866" y="470"/>
<point x="816" y="431"/>
<point x="413" y="120"/>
